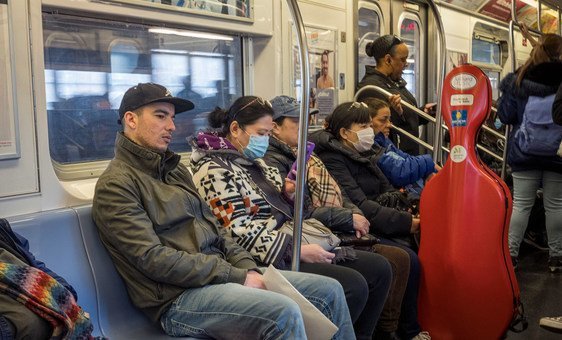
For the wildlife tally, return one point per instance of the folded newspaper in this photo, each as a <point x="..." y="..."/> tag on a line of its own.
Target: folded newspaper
<point x="316" y="324"/>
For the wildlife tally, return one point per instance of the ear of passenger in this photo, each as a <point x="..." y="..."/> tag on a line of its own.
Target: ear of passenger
<point x="348" y="136"/>
<point x="239" y="135"/>
<point x="130" y="120"/>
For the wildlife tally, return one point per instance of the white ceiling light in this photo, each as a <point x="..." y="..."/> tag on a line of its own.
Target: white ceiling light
<point x="192" y="34"/>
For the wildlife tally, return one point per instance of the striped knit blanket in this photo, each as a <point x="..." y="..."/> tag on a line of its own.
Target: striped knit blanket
<point x="47" y="298"/>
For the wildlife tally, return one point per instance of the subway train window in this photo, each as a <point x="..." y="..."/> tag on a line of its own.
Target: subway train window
<point x="368" y="29"/>
<point x="232" y="8"/>
<point x="410" y="34"/>
<point x="90" y="63"/>
<point x="485" y="51"/>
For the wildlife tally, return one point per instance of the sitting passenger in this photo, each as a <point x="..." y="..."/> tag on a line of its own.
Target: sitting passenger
<point x="401" y="169"/>
<point x="179" y="268"/>
<point x="246" y="196"/>
<point x="345" y="147"/>
<point x="333" y="208"/>
<point x="35" y="302"/>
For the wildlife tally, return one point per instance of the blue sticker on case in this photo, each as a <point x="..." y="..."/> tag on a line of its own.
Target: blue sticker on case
<point x="458" y="118"/>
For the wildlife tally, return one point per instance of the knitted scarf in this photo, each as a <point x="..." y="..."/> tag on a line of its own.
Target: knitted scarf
<point x="47" y="298"/>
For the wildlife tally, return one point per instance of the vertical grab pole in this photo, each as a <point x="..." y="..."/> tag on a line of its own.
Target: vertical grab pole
<point x="303" y="131"/>
<point x="437" y="153"/>
<point x="513" y="66"/>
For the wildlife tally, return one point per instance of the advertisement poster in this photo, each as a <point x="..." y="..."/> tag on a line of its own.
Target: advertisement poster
<point x="9" y="147"/>
<point x="322" y="60"/>
<point x="455" y="59"/>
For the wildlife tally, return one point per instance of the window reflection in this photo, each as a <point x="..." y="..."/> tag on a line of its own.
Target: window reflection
<point x="88" y="70"/>
<point x="410" y="34"/>
<point x="368" y="29"/>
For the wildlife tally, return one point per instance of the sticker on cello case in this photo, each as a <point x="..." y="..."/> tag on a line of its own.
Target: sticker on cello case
<point x="462" y="99"/>
<point x="458" y="118"/>
<point x="463" y="81"/>
<point x="458" y="153"/>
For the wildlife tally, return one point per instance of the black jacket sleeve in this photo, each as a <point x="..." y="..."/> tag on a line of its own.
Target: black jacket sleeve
<point x="384" y="221"/>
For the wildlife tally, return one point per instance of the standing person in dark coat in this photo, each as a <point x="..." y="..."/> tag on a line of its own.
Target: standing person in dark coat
<point x="391" y="56"/>
<point x="540" y="76"/>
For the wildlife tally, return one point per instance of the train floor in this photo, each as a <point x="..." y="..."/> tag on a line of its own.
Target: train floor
<point x="541" y="293"/>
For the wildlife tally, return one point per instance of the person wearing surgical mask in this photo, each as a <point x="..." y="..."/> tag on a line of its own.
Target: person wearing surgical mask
<point x="341" y="147"/>
<point x="254" y="203"/>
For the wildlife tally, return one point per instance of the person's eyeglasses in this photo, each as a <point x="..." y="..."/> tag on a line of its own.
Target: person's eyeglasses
<point x="258" y="100"/>
<point x="356" y="105"/>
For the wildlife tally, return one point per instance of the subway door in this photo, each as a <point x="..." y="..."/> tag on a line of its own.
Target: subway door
<point x="370" y="22"/>
<point x="410" y="23"/>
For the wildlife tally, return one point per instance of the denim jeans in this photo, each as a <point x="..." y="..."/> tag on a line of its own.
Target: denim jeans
<point x="525" y="186"/>
<point x="233" y="311"/>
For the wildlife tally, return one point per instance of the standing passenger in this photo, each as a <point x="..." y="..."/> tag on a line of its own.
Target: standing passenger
<point x="179" y="268"/>
<point x="540" y="76"/>
<point x="249" y="199"/>
<point x="391" y="56"/>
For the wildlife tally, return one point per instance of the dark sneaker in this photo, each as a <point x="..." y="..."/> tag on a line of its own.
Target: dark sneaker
<point x="515" y="262"/>
<point x="538" y="240"/>
<point x="555" y="264"/>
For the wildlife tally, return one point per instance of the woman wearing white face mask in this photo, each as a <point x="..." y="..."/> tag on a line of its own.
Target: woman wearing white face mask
<point x="345" y="147"/>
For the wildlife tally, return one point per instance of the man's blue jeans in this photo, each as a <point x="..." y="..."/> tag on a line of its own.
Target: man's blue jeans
<point x="525" y="186"/>
<point x="233" y="311"/>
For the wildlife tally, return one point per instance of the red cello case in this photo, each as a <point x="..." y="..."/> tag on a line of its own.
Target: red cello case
<point x="468" y="288"/>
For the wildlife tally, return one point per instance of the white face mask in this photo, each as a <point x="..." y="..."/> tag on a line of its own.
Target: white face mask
<point x="366" y="139"/>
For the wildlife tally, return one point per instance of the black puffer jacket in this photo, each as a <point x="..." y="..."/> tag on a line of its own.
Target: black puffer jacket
<point x="409" y="121"/>
<point x="281" y="156"/>
<point x="363" y="181"/>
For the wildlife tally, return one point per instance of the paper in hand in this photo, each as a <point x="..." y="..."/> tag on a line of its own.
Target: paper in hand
<point x="317" y="325"/>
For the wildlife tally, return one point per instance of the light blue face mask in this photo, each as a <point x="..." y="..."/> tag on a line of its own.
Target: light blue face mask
<point x="257" y="146"/>
<point x="498" y="124"/>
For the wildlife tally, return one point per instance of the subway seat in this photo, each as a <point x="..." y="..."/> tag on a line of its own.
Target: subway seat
<point x="67" y="241"/>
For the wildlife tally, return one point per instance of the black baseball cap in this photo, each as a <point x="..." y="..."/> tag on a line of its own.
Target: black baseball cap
<point x="383" y="45"/>
<point x="147" y="93"/>
<point x="285" y="106"/>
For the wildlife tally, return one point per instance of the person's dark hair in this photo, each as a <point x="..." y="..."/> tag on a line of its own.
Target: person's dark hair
<point x="345" y="115"/>
<point x="279" y="121"/>
<point x="548" y="49"/>
<point x="245" y="110"/>
<point x="325" y="53"/>
<point x="382" y="46"/>
<point x="375" y="104"/>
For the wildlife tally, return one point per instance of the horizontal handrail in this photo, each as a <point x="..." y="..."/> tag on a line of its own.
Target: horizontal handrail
<point x="402" y="102"/>
<point x="421" y="142"/>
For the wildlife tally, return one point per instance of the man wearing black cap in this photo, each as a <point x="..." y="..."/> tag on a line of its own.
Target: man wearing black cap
<point x="391" y="56"/>
<point x="178" y="267"/>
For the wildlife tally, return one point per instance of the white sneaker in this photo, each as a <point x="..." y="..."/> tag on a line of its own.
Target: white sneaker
<point x="551" y="322"/>
<point x="422" y="336"/>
